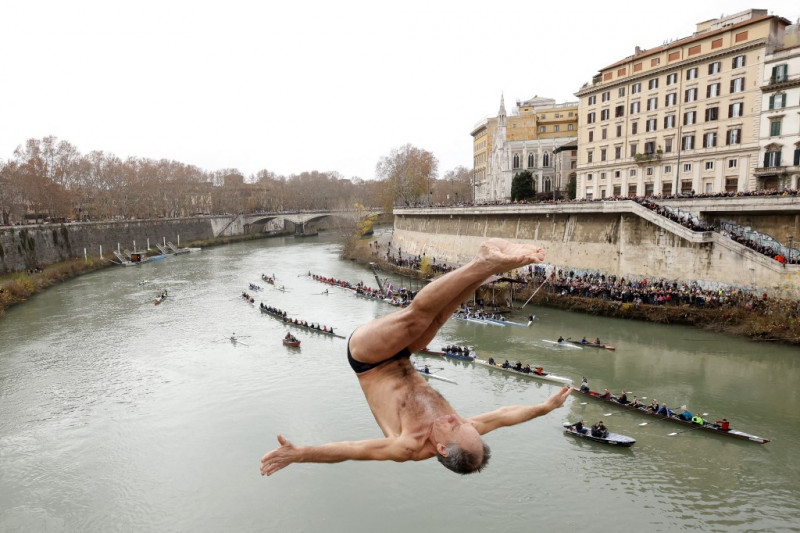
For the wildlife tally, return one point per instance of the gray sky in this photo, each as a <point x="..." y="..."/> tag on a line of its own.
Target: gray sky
<point x="315" y="85"/>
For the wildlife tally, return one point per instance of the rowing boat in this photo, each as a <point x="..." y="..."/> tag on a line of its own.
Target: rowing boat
<point x="564" y="344"/>
<point x="434" y="376"/>
<point x="505" y="322"/>
<point x="289" y="322"/>
<point x="544" y="376"/>
<point x="291" y="342"/>
<point x="477" y="320"/>
<point x="450" y="354"/>
<point x="707" y="426"/>
<point x="614" y="439"/>
<point x="592" y="344"/>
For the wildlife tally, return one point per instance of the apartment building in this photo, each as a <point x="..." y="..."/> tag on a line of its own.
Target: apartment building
<point x="526" y="140"/>
<point x="680" y="117"/>
<point x="779" y="163"/>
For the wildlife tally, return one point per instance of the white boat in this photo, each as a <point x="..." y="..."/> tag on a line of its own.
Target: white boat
<point x="563" y="344"/>
<point x="435" y="376"/>
<point x="544" y="376"/>
<point x="478" y="320"/>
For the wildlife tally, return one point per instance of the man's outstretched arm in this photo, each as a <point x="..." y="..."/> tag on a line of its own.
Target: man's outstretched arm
<point x="516" y="414"/>
<point x="335" y="452"/>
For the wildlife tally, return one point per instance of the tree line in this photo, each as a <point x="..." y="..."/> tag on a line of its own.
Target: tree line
<point x="50" y="179"/>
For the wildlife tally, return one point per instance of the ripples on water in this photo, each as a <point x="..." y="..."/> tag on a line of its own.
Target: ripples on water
<point x="116" y="414"/>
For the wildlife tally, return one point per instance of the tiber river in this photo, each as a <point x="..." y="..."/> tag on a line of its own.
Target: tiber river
<point x="120" y="415"/>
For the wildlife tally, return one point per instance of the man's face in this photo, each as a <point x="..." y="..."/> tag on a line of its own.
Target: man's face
<point x="452" y="428"/>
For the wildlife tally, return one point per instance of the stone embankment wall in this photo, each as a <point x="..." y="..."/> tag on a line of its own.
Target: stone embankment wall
<point x="627" y="241"/>
<point x="23" y="247"/>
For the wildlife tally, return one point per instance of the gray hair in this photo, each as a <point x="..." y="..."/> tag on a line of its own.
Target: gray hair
<point x="462" y="461"/>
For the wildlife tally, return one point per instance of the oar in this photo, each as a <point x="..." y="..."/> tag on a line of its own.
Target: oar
<point x="685" y="430"/>
<point x="534" y="294"/>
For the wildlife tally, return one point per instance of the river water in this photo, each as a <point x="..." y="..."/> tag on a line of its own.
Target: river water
<point x="120" y="415"/>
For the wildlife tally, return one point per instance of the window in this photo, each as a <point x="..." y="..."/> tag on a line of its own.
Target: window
<point x="651" y="124"/>
<point x="635" y="107"/>
<point x="709" y="187"/>
<point x="650" y="147"/>
<point x="714" y="68"/>
<point x="591" y="135"/>
<point x="774" y="127"/>
<point x="634" y="128"/>
<point x="733" y="163"/>
<point x="652" y="83"/>
<point x="735" y="109"/>
<point x="606" y="96"/>
<point x="709" y="139"/>
<point x="738" y="61"/>
<point x="570" y="127"/>
<point x="603" y="133"/>
<point x="689" y="118"/>
<point x="797" y="156"/>
<point x="671" y="99"/>
<point x="652" y="103"/>
<point x="690" y="95"/>
<point x="602" y="175"/>
<point x="688" y="142"/>
<point x="531" y="160"/>
<point x="737" y="85"/>
<point x="666" y="188"/>
<point x="772" y="158"/>
<point x="588" y="177"/>
<point x="616" y="173"/>
<point x="777" y="101"/>
<point x="669" y="121"/>
<point x="589" y="156"/>
<point x="617" y="152"/>
<point x="632" y="173"/>
<point x="617" y="189"/>
<point x="555" y="128"/>
<point x="712" y="90"/>
<point x="619" y="111"/>
<point x="734" y="136"/>
<point x="516" y="160"/>
<point x="604" y="114"/>
<point x="546" y="159"/>
<point x="650" y="173"/>
<point x="621" y="92"/>
<point x="656" y="61"/>
<point x="691" y="73"/>
<point x="712" y="113"/>
<point x="633" y="149"/>
<point x="779" y="74"/>
<point x="542" y="129"/>
<point x="687" y="167"/>
<point x="619" y="130"/>
<point x="636" y="88"/>
<point x="731" y="184"/>
<point x="672" y="78"/>
<point x="668" y="145"/>
<point x="593" y="99"/>
<point x="602" y="154"/>
<point x="590" y="118"/>
<point x="667" y="169"/>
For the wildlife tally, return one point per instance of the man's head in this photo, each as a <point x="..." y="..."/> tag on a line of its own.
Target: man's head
<point x="459" y="445"/>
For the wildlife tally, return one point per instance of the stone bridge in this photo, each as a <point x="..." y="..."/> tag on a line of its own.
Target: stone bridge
<point x="297" y="221"/>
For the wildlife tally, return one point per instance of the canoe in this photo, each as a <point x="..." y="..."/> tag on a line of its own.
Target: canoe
<point x="452" y="355"/>
<point x="286" y="321"/>
<point x="614" y="439"/>
<point x="434" y="376"/>
<point x="708" y="427"/>
<point x="592" y="344"/>
<point x="544" y="376"/>
<point x="292" y="343"/>
<point x="564" y="344"/>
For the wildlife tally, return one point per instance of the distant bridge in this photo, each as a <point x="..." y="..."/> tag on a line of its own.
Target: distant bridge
<point x="266" y="221"/>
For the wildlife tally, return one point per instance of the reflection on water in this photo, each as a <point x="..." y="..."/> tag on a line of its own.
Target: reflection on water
<point x="116" y="414"/>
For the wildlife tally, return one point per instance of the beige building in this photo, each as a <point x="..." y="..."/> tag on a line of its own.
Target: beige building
<point x="526" y="140"/>
<point x="680" y="117"/>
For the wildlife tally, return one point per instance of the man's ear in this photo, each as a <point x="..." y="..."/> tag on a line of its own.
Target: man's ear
<point x="441" y="449"/>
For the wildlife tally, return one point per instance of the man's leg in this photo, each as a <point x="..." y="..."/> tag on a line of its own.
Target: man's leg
<point x="416" y="325"/>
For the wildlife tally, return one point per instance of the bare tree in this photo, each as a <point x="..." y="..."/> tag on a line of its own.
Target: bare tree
<point x="408" y="171"/>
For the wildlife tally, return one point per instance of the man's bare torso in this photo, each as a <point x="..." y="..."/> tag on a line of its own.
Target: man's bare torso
<point x="403" y="403"/>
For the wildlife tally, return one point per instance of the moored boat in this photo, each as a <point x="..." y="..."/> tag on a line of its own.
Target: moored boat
<point x="536" y="373"/>
<point x="614" y="439"/>
<point x="708" y="427"/>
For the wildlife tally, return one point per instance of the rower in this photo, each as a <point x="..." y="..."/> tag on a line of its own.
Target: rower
<point x="577" y="427"/>
<point x="506" y="364"/>
<point x="584" y="385"/>
<point x="723" y="424"/>
<point x="560" y="339"/>
<point x="539" y="371"/>
<point x="697" y="419"/>
<point x="606" y="395"/>
<point x="623" y="399"/>
<point x="584" y="341"/>
<point x="518" y="366"/>
<point x="426" y="370"/>
<point x="597" y="341"/>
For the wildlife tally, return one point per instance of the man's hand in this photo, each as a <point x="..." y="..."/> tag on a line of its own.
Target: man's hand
<point x="503" y="256"/>
<point x="557" y="400"/>
<point x="279" y="458"/>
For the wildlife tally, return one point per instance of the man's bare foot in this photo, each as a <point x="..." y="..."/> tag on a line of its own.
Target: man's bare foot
<point x="501" y="256"/>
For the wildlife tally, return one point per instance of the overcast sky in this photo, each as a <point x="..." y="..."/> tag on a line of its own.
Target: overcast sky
<point x="294" y="86"/>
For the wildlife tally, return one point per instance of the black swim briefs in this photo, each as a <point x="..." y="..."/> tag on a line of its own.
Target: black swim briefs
<point x="360" y="367"/>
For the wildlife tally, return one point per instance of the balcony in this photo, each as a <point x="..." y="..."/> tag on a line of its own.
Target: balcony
<point x="648" y="157"/>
